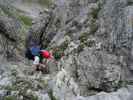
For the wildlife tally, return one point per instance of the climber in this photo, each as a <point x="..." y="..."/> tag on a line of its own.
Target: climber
<point x="45" y="56"/>
<point x="40" y="58"/>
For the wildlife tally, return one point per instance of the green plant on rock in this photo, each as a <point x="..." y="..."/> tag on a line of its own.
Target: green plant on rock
<point x="26" y="20"/>
<point x="42" y="2"/>
<point x="84" y="43"/>
<point x="83" y="37"/>
<point x="6" y="11"/>
<point x="95" y="12"/>
<point x="90" y="43"/>
<point x="84" y="40"/>
<point x="10" y="98"/>
<point x="129" y="2"/>
<point x="58" y="52"/>
<point x="120" y="84"/>
<point x="50" y="93"/>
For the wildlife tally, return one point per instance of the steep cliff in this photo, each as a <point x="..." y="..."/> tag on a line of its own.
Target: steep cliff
<point x="91" y="41"/>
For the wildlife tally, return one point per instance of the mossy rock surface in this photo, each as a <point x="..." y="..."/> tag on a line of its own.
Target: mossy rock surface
<point x="26" y="20"/>
<point x="45" y="3"/>
<point x="10" y="98"/>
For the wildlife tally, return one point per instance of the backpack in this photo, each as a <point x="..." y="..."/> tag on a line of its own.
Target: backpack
<point x="46" y="54"/>
<point x="35" y="50"/>
<point x="29" y="55"/>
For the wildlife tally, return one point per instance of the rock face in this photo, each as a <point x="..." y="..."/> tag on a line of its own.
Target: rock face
<point x="91" y="41"/>
<point x="101" y="33"/>
<point x="9" y="35"/>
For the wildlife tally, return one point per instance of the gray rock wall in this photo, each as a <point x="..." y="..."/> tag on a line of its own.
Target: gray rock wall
<point x="95" y="38"/>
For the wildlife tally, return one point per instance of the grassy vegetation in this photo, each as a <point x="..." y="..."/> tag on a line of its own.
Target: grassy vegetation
<point x="45" y="2"/>
<point x="26" y="20"/>
<point x="41" y="2"/>
<point x="1" y="12"/>
<point x="10" y="98"/>
<point x="6" y="11"/>
<point x="15" y="13"/>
